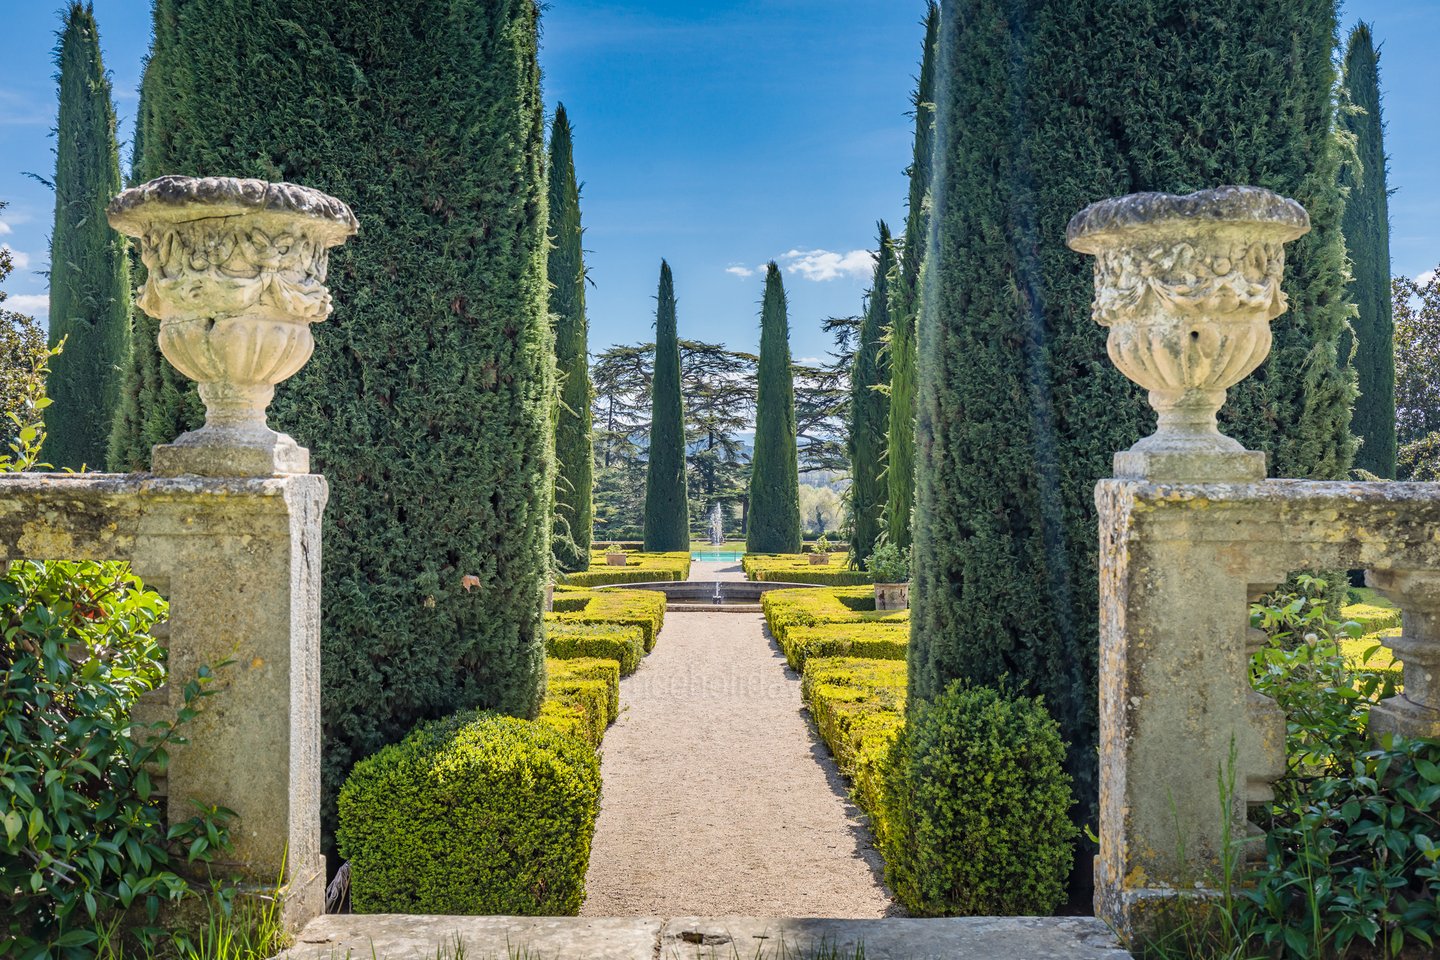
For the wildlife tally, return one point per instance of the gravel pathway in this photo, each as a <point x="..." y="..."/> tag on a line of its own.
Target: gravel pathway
<point x="718" y="799"/>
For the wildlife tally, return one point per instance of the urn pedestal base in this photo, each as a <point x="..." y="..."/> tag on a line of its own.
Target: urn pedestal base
<point x="1180" y="466"/>
<point x="230" y="452"/>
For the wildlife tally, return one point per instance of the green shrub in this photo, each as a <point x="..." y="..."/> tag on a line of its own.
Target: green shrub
<point x="643" y="609"/>
<point x="889" y="563"/>
<point x="797" y="568"/>
<point x="623" y="644"/>
<point x="874" y="641"/>
<point x="980" y="803"/>
<point x="1371" y="611"/>
<point x="853" y="700"/>
<point x="474" y="814"/>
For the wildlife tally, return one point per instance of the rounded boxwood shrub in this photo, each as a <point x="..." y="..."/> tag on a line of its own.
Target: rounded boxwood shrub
<point x="477" y="813"/>
<point x="978" y="806"/>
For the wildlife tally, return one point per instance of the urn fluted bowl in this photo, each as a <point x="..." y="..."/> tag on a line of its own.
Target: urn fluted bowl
<point x="1187" y="286"/>
<point x="235" y="273"/>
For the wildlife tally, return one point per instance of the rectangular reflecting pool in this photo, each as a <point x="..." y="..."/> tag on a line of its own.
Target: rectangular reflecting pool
<point x="728" y="556"/>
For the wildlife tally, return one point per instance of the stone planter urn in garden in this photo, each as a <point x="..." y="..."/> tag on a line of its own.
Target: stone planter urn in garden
<point x="892" y="596"/>
<point x="615" y="557"/>
<point x="1187" y="286"/>
<point x="235" y="275"/>
<point x="817" y="559"/>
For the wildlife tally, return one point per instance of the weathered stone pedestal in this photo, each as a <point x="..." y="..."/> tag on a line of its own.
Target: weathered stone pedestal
<point x="239" y="560"/>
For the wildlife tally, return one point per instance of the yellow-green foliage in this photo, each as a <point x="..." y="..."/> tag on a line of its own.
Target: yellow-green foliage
<point x="644" y="609"/>
<point x="797" y="568"/>
<point x="623" y="644"/>
<point x="1373" y="612"/>
<point x="807" y="608"/>
<point x="874" y="641"/>
<point x="475" y="814"/>
<point x="639" y="568"/>
<point x="1370" y="653"/>
<point x="582" y="698"/>
<point x="599" y="669"/>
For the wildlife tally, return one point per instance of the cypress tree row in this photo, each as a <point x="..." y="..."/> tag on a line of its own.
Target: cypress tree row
<point x="89" y="263"/>
<point x="667" y="508"/>
<point x="905" y="303"/>
<point x="774" y="516"/>
<point x="1367" y="237"/>
<point x="429" y="401"/>
<point x="157" y="403"/>
<point x="870" y="410"/>
<point x="1020" y="409"/>
<point x="574" y="446"/>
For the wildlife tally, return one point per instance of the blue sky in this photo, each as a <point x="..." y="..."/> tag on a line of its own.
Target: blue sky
<point x="718" y="135"/>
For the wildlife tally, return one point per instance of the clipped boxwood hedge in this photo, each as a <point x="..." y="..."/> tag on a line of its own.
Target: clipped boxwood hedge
<point x="623" y="644"/>
<point x="797" y="568"/>
<point x="808" y="608"/>
<point x="1371" y="611"/>
<point x="873" y="641"/>
<point x="644" y="609"/>
<point x="639" y="568"/>
<point x="599" y="669"/>
<point x="474" y="814"/>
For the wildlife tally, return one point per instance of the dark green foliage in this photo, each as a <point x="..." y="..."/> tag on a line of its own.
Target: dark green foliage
<point x="905" y="303"/>
<point x="428" y="404"/>
<point x="870" y="411"/>
<point x="667" y="509"/>
<point x="475" y="814"/>
<point x="574" y="448"/>
<point x="1367" y="239"/>
<point x="774" y="514"/>
<point x="1020" y="409"/>
<point x="980" y="807"/>
<point x="22" y="357"/>
<point x="89" y="265"/>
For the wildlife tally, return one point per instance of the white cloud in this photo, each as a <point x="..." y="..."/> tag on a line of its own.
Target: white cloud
<point x="1425" y="277"/>
<point x="822" y="265"/>
<point x="33" y="303"/>
<point x="808" y="361"/>
<point x="5" y="228"/>
<point x="740" y="271"/>
<point x="17" y="257"/>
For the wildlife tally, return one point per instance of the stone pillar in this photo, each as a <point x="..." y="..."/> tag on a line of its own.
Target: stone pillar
<point x="1187" y="286"/>
<point x="1416" y="711"/>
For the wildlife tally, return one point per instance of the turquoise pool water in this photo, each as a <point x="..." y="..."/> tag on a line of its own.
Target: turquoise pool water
<point x="730" y="556"/>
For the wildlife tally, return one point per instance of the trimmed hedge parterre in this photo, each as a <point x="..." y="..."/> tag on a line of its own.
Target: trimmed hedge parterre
<point x="875" y="641"/>
<point x="623" y="644"/>
<point x="635" y="608"/>
<point x="639" y="568"/>
<point x="797" y="568"/>
<point x="808" y="608"/>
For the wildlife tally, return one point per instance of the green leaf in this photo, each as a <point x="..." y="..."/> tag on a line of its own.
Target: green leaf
<point x="14" y="823"/>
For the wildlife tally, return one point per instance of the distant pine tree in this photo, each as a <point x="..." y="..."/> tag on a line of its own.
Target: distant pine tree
<point x="905" y="303"/>
<point x="870" y="410"/>
<point x="89" y="262"/>
<point x="1020" y="410"/>
<point x="574" y="444"/>
<point x="774" y="515"/>
<point x="1367" y="237"/>
<point x="667" y="508"/>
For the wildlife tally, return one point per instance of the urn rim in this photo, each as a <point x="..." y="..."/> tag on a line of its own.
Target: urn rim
<point x="1102" y="224"/>
<point x="178" y="199"/>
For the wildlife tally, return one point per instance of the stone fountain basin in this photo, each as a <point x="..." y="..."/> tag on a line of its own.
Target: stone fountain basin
<point x="738" y="596"/>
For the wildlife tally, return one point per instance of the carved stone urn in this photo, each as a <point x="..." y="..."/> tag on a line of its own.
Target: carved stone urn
<point x="1187" y="286"/>
<point x="235" y="275"/>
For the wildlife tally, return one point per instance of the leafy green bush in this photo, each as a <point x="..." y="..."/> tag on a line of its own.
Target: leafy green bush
<point x="623" y="644"/>
<point x="851" y="699"/>
<point x="797" y="568"/>
<point x="889" y="563"/>
<point x="597" y="669"/>
<point x="474" y="814"/>
<point x="979" y="802"/>
<point x="808" y="608"/>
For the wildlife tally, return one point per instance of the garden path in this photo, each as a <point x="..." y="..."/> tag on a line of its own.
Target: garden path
<point x="718" y="798"/>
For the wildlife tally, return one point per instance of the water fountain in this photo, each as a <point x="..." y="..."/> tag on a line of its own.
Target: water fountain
<point x="717" y="525"/>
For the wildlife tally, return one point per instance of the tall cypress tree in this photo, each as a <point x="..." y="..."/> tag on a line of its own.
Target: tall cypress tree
<point x="574" y="445"/>
<point x="429" y="401"/>
<point x="1367" y="237"/>
<point x="870" y="410"/>
<point x="905" y="303"/>
<point x="1020" y="410"/>
<point x="667" y="509"/>
<point x="89" y="263"/>
<point x="774" y="515"/>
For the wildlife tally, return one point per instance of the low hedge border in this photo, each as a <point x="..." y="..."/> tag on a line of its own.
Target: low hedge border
<point x="871" y="641"/>
<point x="635" y="608"/>
<point x="797" y="568"/>
<point x="639" y="568"/>
<point x="599" y="669"/>
<point x="809" y="608"/>
<point x="621" y="643"/>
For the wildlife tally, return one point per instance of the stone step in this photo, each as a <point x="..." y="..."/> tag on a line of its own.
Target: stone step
<point x="396" y="937"/>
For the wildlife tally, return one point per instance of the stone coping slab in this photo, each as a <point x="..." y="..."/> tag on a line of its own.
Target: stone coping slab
<point x="396" y="937"/>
